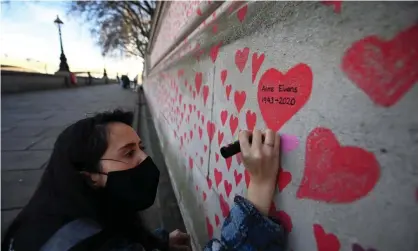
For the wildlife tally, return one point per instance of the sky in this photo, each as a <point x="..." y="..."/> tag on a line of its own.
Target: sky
<point x="27" y="30"/>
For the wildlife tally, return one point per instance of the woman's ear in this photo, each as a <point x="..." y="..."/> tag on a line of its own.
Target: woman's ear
<point x="93" y="179"/>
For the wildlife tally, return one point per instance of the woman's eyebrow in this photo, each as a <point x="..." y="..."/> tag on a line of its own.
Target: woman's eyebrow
<point x="127" y="146"/>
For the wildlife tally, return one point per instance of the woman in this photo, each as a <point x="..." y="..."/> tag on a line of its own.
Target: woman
<point x="98" y="177"/>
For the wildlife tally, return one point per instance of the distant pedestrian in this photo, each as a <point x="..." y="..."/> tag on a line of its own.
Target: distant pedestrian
<point x="90" y="79"/>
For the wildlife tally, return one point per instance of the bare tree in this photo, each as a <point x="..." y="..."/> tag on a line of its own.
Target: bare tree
<point x="119" y="26"/>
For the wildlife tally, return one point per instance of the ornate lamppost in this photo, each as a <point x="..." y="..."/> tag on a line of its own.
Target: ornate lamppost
<point x="63" y="60"/>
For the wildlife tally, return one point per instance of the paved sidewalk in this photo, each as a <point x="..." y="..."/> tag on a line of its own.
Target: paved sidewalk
<point x="31" y="122"/>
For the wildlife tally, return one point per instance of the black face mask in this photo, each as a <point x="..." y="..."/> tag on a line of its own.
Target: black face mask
<point x="133" y="189"/>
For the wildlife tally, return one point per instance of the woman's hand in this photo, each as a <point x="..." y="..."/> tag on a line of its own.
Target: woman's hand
<point x="262" y="163"/>
<point x="179" y="241"/>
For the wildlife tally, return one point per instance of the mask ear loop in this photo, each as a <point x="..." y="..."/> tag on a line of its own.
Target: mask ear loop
<point x="111" y="160"/>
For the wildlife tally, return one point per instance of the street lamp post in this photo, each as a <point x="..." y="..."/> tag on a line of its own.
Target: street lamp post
<point x="63" y="60"/>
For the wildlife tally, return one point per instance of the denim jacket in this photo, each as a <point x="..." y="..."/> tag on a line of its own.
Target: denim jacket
<point x="245" y="229"/>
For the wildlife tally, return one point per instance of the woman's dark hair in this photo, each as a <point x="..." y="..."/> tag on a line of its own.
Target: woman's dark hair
<point x="64" y="195"/>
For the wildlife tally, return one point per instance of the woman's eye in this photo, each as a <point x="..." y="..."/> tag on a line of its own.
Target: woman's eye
<point x="142" y="148"/>
<point x="130" y="153"/>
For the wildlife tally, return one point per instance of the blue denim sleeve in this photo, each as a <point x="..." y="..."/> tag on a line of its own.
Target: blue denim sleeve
<point x="246" y="229"/>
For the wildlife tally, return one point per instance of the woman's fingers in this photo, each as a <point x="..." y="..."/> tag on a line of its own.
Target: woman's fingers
<point x="269" y="139"/>
<point x="243" y="142"/>
<point x="277" y="144"/>
<point x="256" y="143"/>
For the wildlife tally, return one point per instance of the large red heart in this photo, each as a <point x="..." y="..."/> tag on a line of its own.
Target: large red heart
<point x="241" y="58"/>
<point x="239" y="99"/>
<point x="334" y="173"/>
<point x="325" y="242"/>
<point x="384" y="70"/>
<point x="280" y="96"/>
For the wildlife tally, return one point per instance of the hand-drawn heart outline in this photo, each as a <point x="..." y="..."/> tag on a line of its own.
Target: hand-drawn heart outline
<point x="384" y="70"/>
<point x="335" y="173"/>
<point x="299" y="79"/>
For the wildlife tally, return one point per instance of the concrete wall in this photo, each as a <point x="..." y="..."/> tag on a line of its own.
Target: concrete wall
<point x="16" y="82"/>
<point x="336" y="79"/>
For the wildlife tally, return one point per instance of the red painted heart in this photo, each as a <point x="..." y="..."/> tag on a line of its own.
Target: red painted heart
<point x="205" y="94"/>
<point x="218" y="177"/>
<point x="190" y="163"/>
<point x="280" y="96"/>
<point x="228" y="188"/>
<point x="357" y="247"/>
<point x="224" y="74"/>
<point x="242" y="12"/>
<point x="239" y="158"/>
<point x="228" y="162"/>
<point x="220" y="137"/>
<point x="257" y="61"/>
<point x="200" y="132"/>
<point x="228" y="89"/>
<point x="324" y="241"/>
<point x="210" y="127"/>
<point x="239" y="99"/>
<point x="209" y="181"/>
<point x="217" y="221"/>
<point x="224" y="116"/>
<point x="335" y="173"/>
<point x="384" y="70"/>
<point x="283" y="179"/>
<point x="283" y="217"/>
<point x="198" y="81"/>
<point x="251" y="119"/>
<point x="224" y="206"/>
<point x="215" y="50"/>
<point x="238" y="177"/>
<point x="209" y="228"/>
<point x="241" y="57"/>
<point x="233" y="124"/>
<point x="216" y="157"/>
